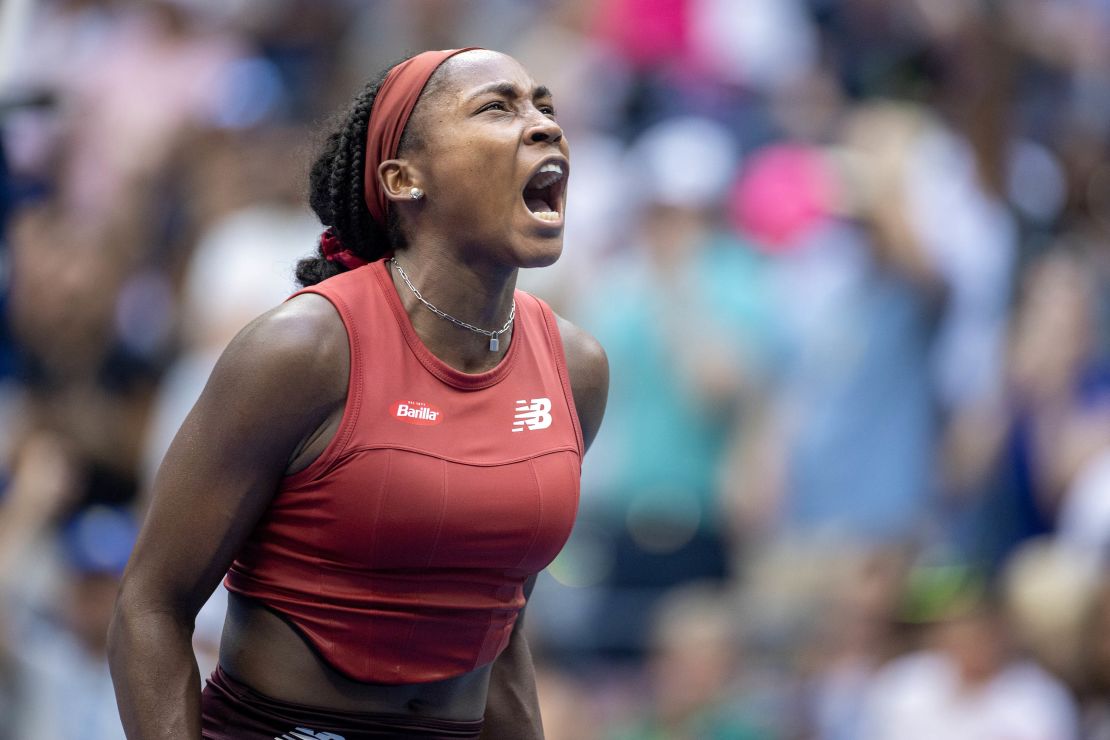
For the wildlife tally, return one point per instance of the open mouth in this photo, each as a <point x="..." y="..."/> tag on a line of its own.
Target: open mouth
<point x="543" y="195"/>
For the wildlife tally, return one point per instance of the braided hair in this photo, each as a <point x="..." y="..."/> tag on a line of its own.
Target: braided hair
<point x="336" y="188"/>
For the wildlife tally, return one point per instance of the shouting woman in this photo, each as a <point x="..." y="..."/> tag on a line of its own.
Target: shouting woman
<point x="382" y="464"/>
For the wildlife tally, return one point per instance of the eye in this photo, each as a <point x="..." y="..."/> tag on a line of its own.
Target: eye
<point x="495" y="105"/>
<point x="548" y="110"/>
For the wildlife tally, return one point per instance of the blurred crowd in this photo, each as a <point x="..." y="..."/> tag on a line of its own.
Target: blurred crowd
<point x="850" y="260"/>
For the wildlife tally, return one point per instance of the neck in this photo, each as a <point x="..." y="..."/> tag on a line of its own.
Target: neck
<point x="478" y="294"/>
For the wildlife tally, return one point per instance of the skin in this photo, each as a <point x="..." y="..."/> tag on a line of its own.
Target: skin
<point x="467" y="237"/>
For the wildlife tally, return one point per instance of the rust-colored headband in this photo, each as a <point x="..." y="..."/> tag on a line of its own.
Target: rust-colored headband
<point x="393" y="105"/>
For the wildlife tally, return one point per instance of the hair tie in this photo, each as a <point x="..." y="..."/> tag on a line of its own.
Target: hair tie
<point x="392" y="107"/>
<point x="334" y="251"/>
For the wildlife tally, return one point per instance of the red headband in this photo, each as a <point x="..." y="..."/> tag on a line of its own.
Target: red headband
<point x="393" y="105"/>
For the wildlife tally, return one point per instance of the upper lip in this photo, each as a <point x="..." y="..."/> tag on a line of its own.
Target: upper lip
<point x="558" y="188"/>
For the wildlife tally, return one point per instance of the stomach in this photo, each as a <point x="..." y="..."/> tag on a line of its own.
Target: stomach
<point x="263" y="651"/>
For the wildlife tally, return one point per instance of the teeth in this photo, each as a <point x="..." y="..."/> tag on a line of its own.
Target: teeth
<point x="544" y="178"/>
<point x="546" y="215"/>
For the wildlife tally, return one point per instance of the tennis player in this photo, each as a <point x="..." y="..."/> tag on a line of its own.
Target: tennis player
<point x="380" y="466"/>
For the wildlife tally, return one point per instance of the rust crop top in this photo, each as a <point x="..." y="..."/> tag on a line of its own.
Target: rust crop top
<point x="401" y="552"/>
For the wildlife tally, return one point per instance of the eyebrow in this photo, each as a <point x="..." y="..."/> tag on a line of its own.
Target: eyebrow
<point x="510" y="90"/>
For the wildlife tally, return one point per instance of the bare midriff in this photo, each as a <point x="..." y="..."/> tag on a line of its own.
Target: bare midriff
<point x="264" y="652"/>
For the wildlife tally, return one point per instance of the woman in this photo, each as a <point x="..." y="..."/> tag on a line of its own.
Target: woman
<point x="382" y="463"/>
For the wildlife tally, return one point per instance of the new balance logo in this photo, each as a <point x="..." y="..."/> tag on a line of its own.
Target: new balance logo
<point x="532" y="415"/>
<point x="302" y="733"/>
<point x="417" y="412"/>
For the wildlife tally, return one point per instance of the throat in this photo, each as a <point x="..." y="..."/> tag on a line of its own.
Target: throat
<point x="450" y="327"/>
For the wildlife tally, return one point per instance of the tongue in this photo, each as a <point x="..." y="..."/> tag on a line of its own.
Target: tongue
<point x="535" y="205"/>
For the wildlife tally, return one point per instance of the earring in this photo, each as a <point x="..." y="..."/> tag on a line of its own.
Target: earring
<point x="416" y="193"/>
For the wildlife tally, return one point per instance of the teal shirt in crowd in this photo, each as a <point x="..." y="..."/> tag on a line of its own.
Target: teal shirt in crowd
<point x="662" y="441"/>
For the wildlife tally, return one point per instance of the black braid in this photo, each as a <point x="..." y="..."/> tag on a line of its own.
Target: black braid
<point x="336" y="190"/>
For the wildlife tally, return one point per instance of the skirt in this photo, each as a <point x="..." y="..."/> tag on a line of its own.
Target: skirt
<point x="231" y="710"/>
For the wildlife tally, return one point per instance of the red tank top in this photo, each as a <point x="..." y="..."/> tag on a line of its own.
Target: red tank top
<point x="401" y="552"/>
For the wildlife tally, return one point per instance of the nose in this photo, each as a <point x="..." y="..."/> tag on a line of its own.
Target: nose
<point x="544" y="130"/>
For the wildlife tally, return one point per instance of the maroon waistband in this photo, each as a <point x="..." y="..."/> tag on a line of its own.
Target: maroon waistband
<point x="231" y="710"/>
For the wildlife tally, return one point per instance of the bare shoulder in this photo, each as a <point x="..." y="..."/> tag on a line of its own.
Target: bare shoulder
<point x="588" y="368"/>
<point x="285" y="372"/>
<point x="299" y="346"/>
<point x="302" y="331"/>
<point x="586" y="358"/>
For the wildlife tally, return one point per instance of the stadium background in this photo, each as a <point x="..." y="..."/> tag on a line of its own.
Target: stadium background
<point x="849" y="260"/>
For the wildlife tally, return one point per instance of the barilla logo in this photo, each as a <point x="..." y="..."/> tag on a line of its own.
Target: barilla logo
<point x="417" y="412"/>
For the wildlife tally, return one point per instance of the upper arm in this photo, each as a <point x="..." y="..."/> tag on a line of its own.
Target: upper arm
<point x="588" y="368"/>
<point x="276" y="382"/>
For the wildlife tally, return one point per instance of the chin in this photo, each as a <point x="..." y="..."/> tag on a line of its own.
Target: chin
<point x="540" y="255"/>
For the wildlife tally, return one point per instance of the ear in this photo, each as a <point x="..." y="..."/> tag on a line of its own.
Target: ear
<point x="398" y="177"/>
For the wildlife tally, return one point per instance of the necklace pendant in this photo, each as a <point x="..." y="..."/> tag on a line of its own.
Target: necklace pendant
<point x="494" y="343"/>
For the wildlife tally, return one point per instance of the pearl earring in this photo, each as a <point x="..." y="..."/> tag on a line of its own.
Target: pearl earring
<point x="416" y="193"/>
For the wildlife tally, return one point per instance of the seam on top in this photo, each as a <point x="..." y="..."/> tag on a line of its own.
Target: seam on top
<point x="539" y="513"/>
<point x="407" y="642"/>
<point x="379" y="502"/>
<point x="459" y="461"/>
<point x="442" y="516"/>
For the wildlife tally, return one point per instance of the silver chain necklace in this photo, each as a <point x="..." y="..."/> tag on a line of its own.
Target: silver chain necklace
<point x="494" y="336"/>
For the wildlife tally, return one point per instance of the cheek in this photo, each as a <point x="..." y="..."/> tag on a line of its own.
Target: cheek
<point x="477" y="176"/>
<point x="491" y="158"/>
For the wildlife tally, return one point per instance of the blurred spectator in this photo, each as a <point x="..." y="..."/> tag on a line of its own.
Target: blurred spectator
<point x="1049" y="589"/>
<point x="694" y="673"/>
<point x="64" y="686"/>
<point x="566" y="706"/>
<point x="1094" y="687"/>
<point x="61" y="652"/>
<point x="43" y="484"/>
<point x="57" y="595"/>
<point x="968" y="685"/>
<point x="1053" y="421"/>
<point x="1084" y="520"/>
<point x="241" y="267"/>
<point x="845" y="630"/>
<point x="158" y="76"/>
<point x="861" y="300"/>
<point x="688" y="342"/>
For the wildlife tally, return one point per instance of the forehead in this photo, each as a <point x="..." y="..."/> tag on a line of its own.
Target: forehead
<point x="467" y="73"/>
